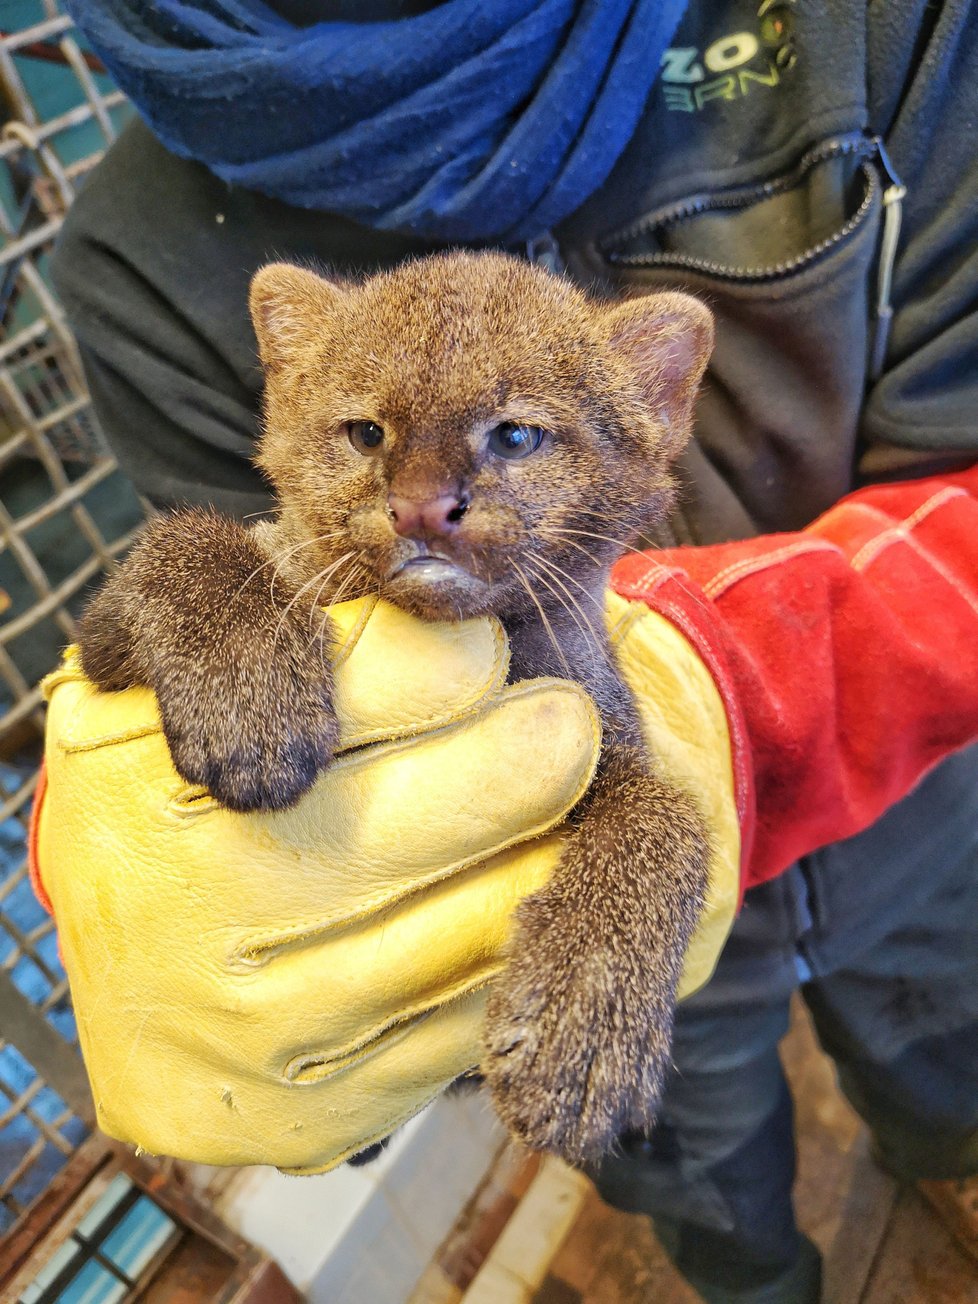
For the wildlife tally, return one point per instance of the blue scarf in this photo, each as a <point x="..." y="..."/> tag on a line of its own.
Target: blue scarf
<point x="475" y="120"/>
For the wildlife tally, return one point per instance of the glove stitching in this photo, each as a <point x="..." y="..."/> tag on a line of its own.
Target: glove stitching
<point x="731" y="575"/>
<point x="258" y="952"/>
<point x="652" y="578"/>
<point x="381" y="1035"/>
<point x="108" y="740"/>
<point x="920" y="551"/>
<point x="901" y="529"/>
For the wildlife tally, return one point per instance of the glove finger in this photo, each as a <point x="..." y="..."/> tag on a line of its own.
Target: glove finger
<point x="379" y="824"/>
<point x="395" y="676"/>
<point x="378" y="1021"/>
<point x="346" y="994"/>
<point x="396" y="1083"/>
<point x="307" y="1127"/>
<point x="387" y="820"/>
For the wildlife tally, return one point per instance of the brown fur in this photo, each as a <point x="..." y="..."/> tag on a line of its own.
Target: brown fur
<point x="225" y="624"/>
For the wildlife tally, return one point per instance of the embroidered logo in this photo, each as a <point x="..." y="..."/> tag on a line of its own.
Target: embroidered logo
<point x="733" y="66"/>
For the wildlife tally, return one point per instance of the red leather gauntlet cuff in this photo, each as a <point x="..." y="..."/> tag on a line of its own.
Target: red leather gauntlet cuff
<point x="846" y="654"/>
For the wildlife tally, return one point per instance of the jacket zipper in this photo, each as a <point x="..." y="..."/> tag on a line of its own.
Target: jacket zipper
<point x="544" y="251"/>
<point x="893" y="197"/>
<point x="742" y="197"/>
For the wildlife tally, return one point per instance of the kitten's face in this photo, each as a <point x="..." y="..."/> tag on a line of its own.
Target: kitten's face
<point x="467" y="434"/>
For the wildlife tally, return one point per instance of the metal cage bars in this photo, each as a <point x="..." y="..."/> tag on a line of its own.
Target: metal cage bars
<point x="43" y="398"/>
<point x="57" y="535"/>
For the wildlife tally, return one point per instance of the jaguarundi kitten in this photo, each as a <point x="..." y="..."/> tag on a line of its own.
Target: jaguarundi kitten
<point x="464" y="435"/>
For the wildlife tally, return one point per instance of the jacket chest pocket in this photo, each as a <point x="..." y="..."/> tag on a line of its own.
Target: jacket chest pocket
<point x="796" y="269"/>
<point x="764" y="231"/>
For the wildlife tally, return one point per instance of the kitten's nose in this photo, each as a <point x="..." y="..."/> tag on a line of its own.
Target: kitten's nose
<point x="431" y="517"/>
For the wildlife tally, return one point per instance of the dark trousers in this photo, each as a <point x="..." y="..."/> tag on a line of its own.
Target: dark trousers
<point x="881" y="935"/>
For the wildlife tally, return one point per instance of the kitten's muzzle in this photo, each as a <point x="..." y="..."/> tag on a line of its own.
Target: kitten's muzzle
<point x="431" y="518"/>
<point x="429" y="569"/>
<point x="423" y="561"/>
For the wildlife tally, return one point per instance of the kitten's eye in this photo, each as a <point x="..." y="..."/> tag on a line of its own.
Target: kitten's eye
<point x="366" y="437"/>
<point x="512" y="441"/>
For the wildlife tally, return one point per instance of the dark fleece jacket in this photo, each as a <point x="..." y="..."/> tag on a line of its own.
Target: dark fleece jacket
<point x="753" y="180"/>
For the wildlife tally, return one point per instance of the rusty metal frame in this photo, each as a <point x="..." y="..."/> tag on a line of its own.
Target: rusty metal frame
<point x="251" y="1277"/>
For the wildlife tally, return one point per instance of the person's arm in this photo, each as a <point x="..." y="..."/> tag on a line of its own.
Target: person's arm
<point x="848" y="650"/>
<point x="797" y="684"/>
<point x="847" y="655"/>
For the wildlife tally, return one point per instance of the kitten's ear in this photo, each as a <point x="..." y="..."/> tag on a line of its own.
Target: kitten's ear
<point x="288" y="305"/>
<point x="666" y="340"/>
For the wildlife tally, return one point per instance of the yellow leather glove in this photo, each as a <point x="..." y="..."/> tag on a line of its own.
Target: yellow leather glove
<point x="286" y="988"/>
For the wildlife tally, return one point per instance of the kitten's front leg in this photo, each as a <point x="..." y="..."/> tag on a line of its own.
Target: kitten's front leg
<point x="242" y="678"/>
<point x="579" y="1023"/>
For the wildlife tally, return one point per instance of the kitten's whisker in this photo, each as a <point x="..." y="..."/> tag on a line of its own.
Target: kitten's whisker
<point x="344" y="583"/>
<point x="639" y="552"/>
<point x="324" y="622"/>
<point x="321" y="576"/>
<point x="322" y="538"/>
<point x="357" y="573"/>
<point x="576" y="582"/>
<point x="543" y="616"/>
<point x="334" y="598"/>
<point x="276" y="561"/>
<point x="595" y="515"/>
<point x="587" y="633"/>
<point x="269" y="561"/>
<point x="604" y="517"/>
<point x="555" y="571"/>
<point x="315" y="606"/>
<point x="546" y="533"/>
<point x="591" y="534"/>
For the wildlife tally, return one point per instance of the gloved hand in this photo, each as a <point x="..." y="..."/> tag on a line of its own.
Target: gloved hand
<point x="286" y="988"/>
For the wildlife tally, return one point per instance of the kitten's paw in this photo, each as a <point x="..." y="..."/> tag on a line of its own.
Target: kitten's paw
<point x="252" y="759"/>
<point x="577" y="1038"/>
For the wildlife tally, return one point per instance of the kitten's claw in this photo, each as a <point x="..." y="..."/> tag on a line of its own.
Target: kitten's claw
<point x="570" y="1060"/>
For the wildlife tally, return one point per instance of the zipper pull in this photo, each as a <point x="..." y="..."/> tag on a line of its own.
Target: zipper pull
<point x="544" y="250"/>
<point x="893" y="196"/>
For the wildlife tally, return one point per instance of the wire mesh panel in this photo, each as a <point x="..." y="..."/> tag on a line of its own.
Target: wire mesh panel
<point x="66" y="514"/>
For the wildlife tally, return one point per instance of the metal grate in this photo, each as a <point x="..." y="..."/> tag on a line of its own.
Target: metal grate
<point x="38" y="1132"/>
<point x="66" y="514"/>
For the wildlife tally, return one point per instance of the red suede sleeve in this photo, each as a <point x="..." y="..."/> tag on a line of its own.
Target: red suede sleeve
<point x="847" y="655"/>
